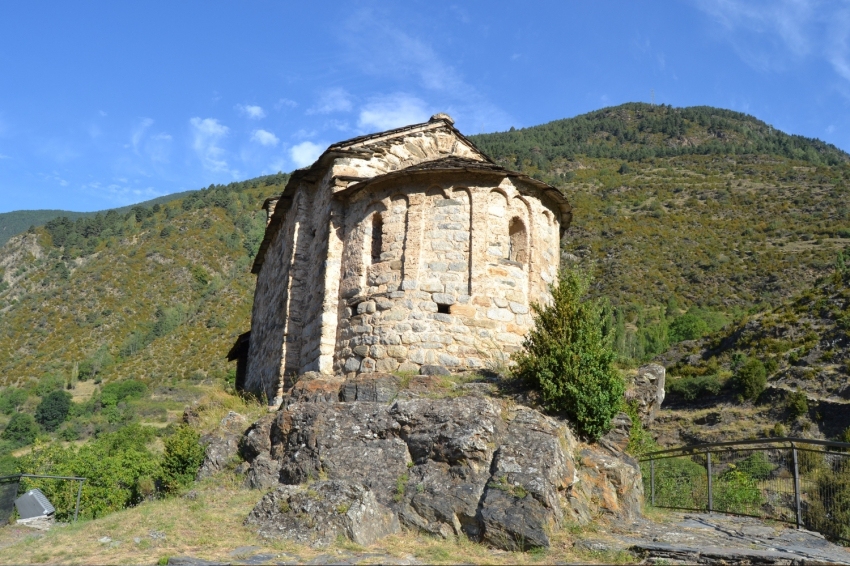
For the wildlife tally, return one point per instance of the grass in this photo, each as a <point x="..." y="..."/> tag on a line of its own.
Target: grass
<point x="210" y="527"/>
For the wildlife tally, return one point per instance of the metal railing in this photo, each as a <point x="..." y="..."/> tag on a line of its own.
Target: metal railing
<point x="9" y="489"/>
<point x="795" y="480"/>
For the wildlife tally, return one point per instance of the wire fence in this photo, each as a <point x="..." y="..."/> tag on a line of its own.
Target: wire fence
<point x="794" y="480"/>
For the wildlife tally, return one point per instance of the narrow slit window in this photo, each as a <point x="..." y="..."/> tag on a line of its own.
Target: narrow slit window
<point x="377" y="237"/>
<point x="518" y="242"/>
<point x="444" y="309"/>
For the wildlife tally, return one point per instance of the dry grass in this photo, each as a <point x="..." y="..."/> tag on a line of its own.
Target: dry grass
<point x="210" y="527"/>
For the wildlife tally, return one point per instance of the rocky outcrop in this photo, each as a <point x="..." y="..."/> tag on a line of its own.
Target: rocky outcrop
<point x="319" y="513"/>
<point x="222" y="444"/>
<point x="647" y="391"/>
<point x="494" y="471"/>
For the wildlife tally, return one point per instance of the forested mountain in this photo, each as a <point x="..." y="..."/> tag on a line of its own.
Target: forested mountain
<point x="689" y="219"/>
<point x="17" y="221"/>
<point x="687" y="208"/>
<point x="157" y="292"/>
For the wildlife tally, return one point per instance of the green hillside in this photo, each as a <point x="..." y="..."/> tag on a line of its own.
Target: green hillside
<point x="687" y="208"/>
<point x="17" y="221"/>
<point x="155" y="293"/>
<point x="690" y="219"/>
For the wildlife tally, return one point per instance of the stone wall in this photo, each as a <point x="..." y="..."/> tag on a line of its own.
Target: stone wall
<point x="363" y="269"/>
<point x="443" y="289"/>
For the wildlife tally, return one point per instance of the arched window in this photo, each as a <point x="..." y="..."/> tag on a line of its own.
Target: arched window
<point x="377" y="237"/>
<point x="518" y="248"/>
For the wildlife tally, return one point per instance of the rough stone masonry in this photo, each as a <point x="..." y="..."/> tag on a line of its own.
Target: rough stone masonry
<point x="399" y="250"/>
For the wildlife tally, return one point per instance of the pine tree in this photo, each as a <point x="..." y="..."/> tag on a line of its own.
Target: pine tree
<point x="568" y="355"/>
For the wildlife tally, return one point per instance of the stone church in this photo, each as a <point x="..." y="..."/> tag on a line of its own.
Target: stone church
<point x="400" y="250"/>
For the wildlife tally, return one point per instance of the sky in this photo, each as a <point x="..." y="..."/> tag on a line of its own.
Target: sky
<point x="104" y="104"/>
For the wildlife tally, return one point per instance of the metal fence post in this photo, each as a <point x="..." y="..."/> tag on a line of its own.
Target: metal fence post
<point x="77" y="508"/>
<point x="797" y="487"/>
<point x="652" y="479"/>
<point x="710" y="494"/>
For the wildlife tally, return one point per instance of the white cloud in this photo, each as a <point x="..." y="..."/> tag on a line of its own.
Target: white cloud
<point x="393" y="111"/>
<point x="770" y="34"/>
<point x="206" y="135"/>
<point x="263" y="137"/>
<point x="139" y="132"/>
<point x="251" y="111"/>
<point x="332" y="100"/>
<point x="380" y="48"/>
<point x="285" y="103"/>
<point x="305" y="153"/>
<point x="120" y="193"/>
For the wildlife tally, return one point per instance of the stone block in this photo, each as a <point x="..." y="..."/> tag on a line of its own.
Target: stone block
<point x="500" y="314"/>
<point x="517" y="308"/>
<point x="395" y="314"/>
<point x="368" y="366"/>
<point x="481" y="301"/>
<point x="462" y="310"/>
<point x="432" y="287"/>
<point x="387" y="365"/>
<point x="361" y="350"/>
<point x="443" y="299"/>
<point x="408" y="367"/>
<point x="409" y="337"/>
<point x="448" y="361"/>
<point x="433" y="370"/>
<point x="417" y="356"/>
<point x="352" y="364"/>
<point x="397" y="352"/>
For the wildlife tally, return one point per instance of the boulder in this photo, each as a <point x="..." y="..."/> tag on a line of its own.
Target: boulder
<point x="608" y="484"/>
<point x="320" y="512"/>
<point x="647" y="391"/>
<point x="264" y="473"/>
<point x="222" y="445"/>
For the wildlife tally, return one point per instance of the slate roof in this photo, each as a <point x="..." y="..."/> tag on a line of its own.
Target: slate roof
<point x="366" y="145"/>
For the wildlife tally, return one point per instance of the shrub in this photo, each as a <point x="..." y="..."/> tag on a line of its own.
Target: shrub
<point x="751" y="378"/>
<point x="115" y="467"/>
<point x="53" y="410"/>
<point x="570" y="359"/>
<point x="687" y="327"/>
<point x="797" y="404"/>
<point x="12" y="399"/>
<point x="49" y="383"/>
<point x="736" y="492"/>
<point x="117" y="391"/>
<point x="757" y="466"/>
<point x="692" y="387"/>
<point x="21" y="430"/>
<point x="182" y="457"/>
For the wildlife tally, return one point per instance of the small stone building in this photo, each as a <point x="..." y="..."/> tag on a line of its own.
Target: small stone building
<point x="399" y="250"/>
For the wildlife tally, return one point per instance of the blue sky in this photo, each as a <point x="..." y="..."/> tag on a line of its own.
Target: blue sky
<point x="103" y="104"/>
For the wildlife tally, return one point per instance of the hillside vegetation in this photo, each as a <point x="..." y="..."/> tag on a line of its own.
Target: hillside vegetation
<point x="689" y="219"/>
<point x="18" y="221"/>
<point x="157" y="293"/>
<point x="687" y="209"/>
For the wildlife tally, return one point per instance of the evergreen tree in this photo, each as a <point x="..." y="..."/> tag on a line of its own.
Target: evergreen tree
<point x="568" y="355"/>
<point x="53" y="410"/>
